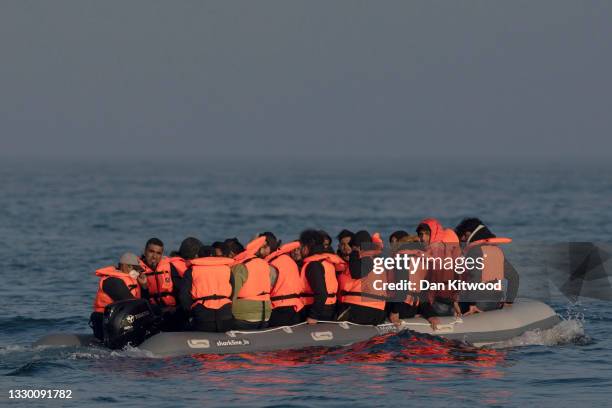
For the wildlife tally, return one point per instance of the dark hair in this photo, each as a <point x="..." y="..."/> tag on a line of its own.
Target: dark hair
<point x="398" y="235"/>
<point x="206" y="251"/>
<point x="271" y="240"/>
<point x="344" y="233"/>
<point x="217" y="245"/>
<point x="313" y="240"/>
<point x="189" y="248"/>
<point x="361" y="237"/>
<point x="423" y="227"/>
<point x="325" y="236"/>
<point x="467" y="224"/>
<point x="233" y="245"/>
<point x="154" y="241"/>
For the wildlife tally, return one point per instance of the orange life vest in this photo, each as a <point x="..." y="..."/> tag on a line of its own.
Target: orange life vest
<point x="446" y="246"/>
<point x="493" y="257"/>
<point x="181" y="265"/>
<point x="361" y="292"/>
<point x="211" y="285"/>
<point x="102" y="299"/>
<point x="330" y="262"/>
<point x="159" y="283"/>
<point x="288" y="286"/>
<point x="257" y="285"/>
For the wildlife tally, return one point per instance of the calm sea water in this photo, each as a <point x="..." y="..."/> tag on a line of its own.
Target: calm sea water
<point x="60" y="221"/>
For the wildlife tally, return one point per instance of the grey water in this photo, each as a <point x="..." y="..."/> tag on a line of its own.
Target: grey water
<point x="59" y="221"/>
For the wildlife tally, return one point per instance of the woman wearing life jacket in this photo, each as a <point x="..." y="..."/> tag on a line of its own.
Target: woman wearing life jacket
<point x="207" y="290"/>
<point x="318" y="274"/>
<point x="440" y="245"/>
<point x="285" y="294"/>
<point x="360" y="302"/>
<point x="253" y="279"/>
<point x="123" y="282"/>
<point x="481" y="243"/>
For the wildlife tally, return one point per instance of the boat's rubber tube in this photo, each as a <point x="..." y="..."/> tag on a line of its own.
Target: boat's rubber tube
<point x="479" y="329"/>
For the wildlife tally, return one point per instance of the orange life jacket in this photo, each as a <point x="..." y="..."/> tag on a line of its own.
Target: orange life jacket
<point x="288" y="286"/>
<point x="258" y="285"/>
<point x="211" y="285"/>
<point x="159" y="283"/>
<point x="329" y="262"/>
<point x="493" y="257"/>
<point x="444" y="247"/>
<point x="361" y="292"/>
<point x="102" y="299"/>
<point x="181" y="265"/>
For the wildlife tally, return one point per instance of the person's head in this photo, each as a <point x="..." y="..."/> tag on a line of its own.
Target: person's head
<point x="153" y="252"/>
<point x="327" y="240"/>
<point x="233" y="247"/>
<point x="429" y="231"/>
<point x="218" y="247"/>
<point x="360" y="238"/>
<point x="189" y="248"/>
<point x="271" y="245"/>
<point x="397" y="236"/>
<point x="129" y="262"/>
<point x="465" y="228"/>
<point x="312" y="242"/>
<point x="206" y="251"/>
<point x="344" y="247"/>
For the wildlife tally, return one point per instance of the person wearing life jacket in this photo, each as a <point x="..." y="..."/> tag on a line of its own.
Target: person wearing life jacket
<point x="360" y="302"/>
<point x="179" y="262"/>
<point x="253" y="280"/>
<point x="285" y="294"/>
<point x="207" y="291"/>
<point x="344" y="244"/>
<point x="405" y="304"/>
<point x="157" y="270"/>
<point x="327" y="242"/>
<point x="440" y="244"/>
<point x="318" y="274"/>
<point x="122" y="282"/>
<point x="480" y="243"/>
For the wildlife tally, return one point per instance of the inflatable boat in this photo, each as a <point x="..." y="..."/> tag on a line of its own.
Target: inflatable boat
<point x="478" y="329"/>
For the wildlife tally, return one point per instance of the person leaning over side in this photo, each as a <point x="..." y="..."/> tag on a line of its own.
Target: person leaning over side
<point x="122" y="282"/>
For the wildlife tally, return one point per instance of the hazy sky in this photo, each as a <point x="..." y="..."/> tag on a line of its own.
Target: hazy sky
<point x="305" y="78"/>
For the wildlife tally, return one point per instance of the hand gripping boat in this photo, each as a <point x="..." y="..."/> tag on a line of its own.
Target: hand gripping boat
<point x="479" y="329"/>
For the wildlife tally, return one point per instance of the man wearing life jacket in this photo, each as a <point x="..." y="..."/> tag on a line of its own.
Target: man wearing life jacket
<point x="179" y="261"/>
<point x="157" y="270"/>
<point x="285" y="294"/>
<point x="123" y="282"/>
<point x="327" y="242"/>
<point x="440" y="244"/>
<point x="405" y="304"/>
<point x="253" y="280"/>
<point x="318" y="274"/>
<point x="360" y="302"/>
<point x="344" y="244"/>
<point x="481" y="243"/>
<point x="207" y="290"/>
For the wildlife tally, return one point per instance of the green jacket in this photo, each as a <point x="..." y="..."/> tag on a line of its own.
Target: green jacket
<point x="249" y="310"/>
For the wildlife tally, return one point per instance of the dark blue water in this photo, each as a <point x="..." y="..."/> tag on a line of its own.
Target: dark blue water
<point x="61" y="221"/>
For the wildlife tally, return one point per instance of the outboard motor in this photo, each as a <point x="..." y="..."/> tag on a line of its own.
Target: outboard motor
<point x="128" y="322"/>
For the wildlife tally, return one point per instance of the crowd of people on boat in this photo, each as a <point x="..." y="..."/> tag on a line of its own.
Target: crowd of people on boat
<point x="266" y="283"/>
